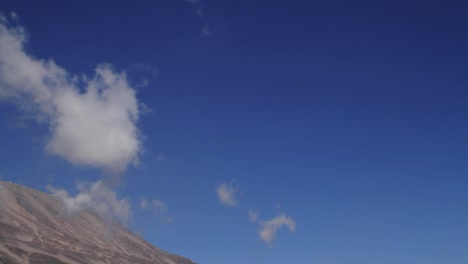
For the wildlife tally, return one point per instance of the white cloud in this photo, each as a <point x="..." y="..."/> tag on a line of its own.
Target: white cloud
<point x="253" y="215"/>
<point x="227" y="194"/>
<point x="269" y="228"/>
<point x="97" y="197"/>
<point x="92" y="120"/>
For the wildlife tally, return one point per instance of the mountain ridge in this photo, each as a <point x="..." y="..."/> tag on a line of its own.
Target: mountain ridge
<point x="34" y="229"/>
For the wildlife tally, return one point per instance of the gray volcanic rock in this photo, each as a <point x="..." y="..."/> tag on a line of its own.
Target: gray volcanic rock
<point x="33" y="230"/>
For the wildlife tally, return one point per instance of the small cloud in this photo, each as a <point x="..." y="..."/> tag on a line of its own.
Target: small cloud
<point x="144" y="204"/>
<point x="158" y="204"/>
<point x="253" y="215"/>
<point x="206" y="30"/>
<point x="158" y="207"/>
<point x="97" y="197"/>
<point x="227" y="194"/>
<point x="269" y="228"/>
<point x="139" y="75"/>
<point x="144" y="109"/>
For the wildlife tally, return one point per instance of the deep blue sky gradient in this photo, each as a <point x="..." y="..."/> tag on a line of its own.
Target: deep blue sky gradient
<point x="351" y="115"/>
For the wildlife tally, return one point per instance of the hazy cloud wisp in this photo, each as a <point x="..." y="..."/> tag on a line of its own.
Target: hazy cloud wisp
<point x="227" y="194"/>
<point x="269" y="228"/>
<point x="144" y="204"/>
<point x="158" y="207"/>
<point x="253" y="215"/>
<point x="206" y="31"/>
<point x="199" y="5"/>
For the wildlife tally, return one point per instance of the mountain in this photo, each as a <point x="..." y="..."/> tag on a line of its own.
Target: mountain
<point x="33" y="230"/>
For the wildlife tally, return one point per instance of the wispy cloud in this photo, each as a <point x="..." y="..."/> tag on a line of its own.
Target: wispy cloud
<point x="144" y="204"/>
<point x="161" y="209"/>
<point x="253" y="215"/>
<point x="158" y="207"/>
<point x="227" y="194"/>
<point x="161" y="157"/>
<point x="206" y="30"/>
<point x="97" y="197"/>
<point x="269" y="228"/>
<point x="198" y="4"/>
<point x="92" y="120"/>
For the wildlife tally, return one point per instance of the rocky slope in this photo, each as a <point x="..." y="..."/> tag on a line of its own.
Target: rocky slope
<point x="33" y="230"/>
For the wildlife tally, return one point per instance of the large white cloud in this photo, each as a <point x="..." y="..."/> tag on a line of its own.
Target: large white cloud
<point x="97" y="197"/>
<point x="92" y="119"/>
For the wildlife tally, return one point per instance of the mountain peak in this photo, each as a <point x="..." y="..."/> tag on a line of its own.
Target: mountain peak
<point x="34" y="228"/>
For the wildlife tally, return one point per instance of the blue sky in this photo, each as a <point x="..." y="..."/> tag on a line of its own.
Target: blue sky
<point x="343" y="124"/>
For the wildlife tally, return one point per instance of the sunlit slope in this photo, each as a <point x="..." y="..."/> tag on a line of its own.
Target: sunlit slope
<point x="35" y="229"/>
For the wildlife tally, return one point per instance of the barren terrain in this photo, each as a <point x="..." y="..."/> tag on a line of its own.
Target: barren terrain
<point x="34" y="229"/>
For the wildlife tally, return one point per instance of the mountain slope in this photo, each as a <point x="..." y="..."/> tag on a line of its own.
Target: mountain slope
<point x="33" y="230"/>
